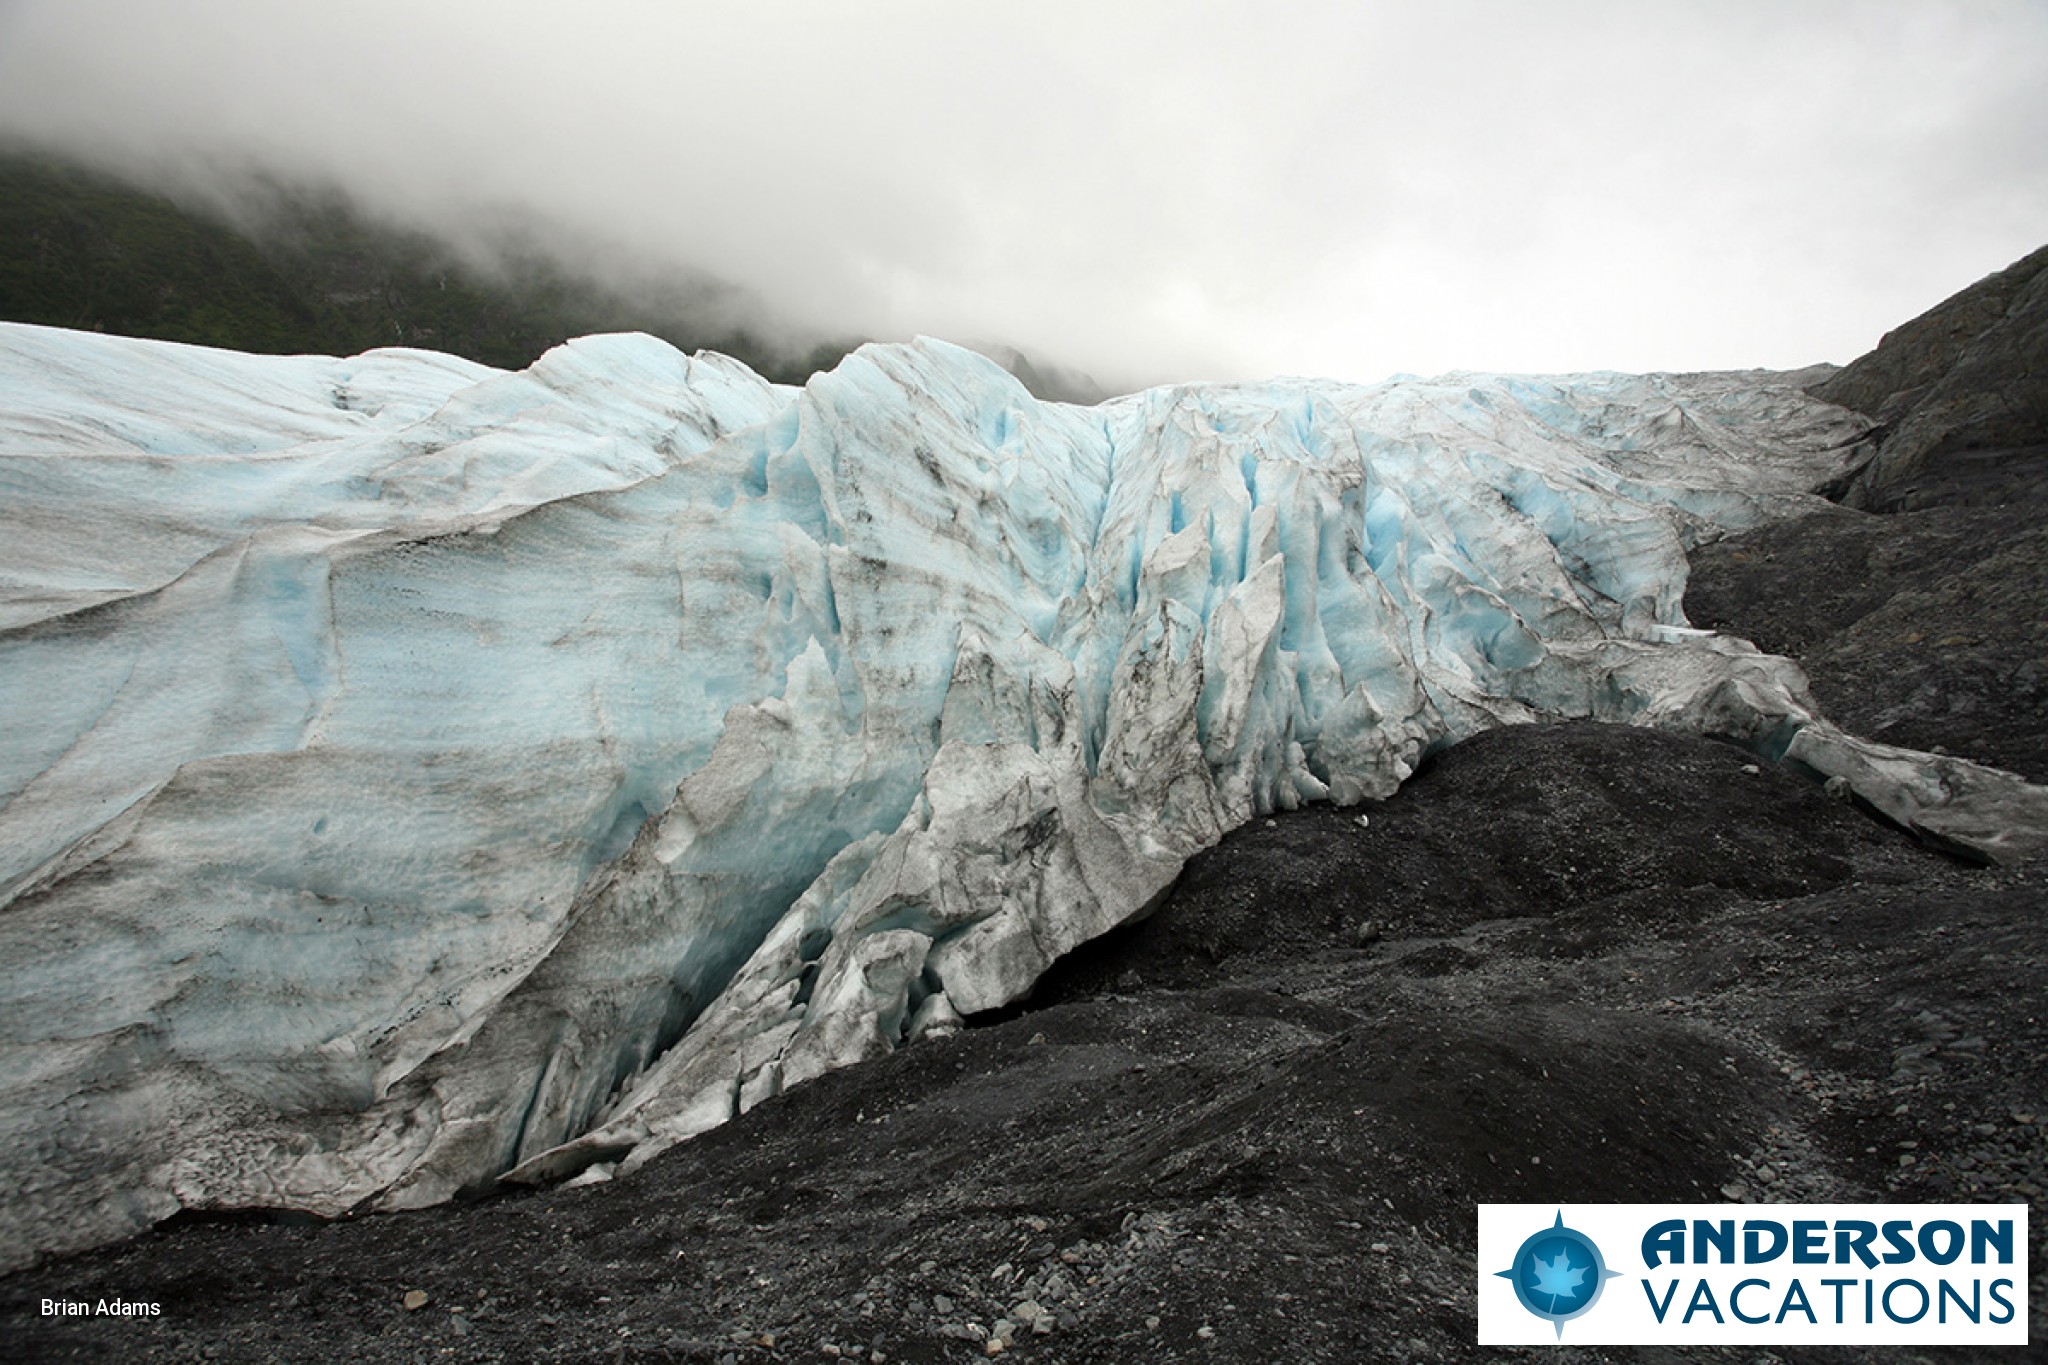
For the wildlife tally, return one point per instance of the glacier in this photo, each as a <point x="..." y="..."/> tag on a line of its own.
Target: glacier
<point x="415" y="775"/>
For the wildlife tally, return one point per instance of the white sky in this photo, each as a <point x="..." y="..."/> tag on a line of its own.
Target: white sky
<point x="1148" y="190"/>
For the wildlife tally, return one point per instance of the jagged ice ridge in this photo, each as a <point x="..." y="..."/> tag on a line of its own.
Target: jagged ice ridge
<point x="413" y="773"/>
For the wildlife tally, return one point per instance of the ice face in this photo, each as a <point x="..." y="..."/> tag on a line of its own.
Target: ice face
<point x="414" y="772"/>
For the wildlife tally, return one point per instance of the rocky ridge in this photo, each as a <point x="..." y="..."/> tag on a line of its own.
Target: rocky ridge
<point x="1960" y="395"/>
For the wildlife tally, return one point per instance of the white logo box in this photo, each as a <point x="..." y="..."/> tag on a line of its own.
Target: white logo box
<point x="1935" y="1264"/>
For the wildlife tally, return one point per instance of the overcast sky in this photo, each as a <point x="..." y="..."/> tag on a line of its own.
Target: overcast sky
<point x="1148" y="190"/>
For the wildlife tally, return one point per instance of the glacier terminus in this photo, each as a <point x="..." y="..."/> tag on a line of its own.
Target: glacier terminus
<point x="415" y="775"/>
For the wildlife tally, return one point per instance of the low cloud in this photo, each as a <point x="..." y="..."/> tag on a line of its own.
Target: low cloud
<point x="1162" y="190"/>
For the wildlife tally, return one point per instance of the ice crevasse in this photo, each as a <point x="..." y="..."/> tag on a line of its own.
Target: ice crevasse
<point x="414" y="774"/>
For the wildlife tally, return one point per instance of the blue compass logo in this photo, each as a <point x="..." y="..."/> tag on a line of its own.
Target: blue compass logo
<point x="1558" y="1273"/>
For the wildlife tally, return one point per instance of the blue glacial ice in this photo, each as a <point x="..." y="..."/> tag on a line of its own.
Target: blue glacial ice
<point x="413" y="773"/>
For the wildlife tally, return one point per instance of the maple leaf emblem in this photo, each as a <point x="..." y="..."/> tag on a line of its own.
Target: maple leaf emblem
<point x="1569" y="1288"/>
<point x="1557" y="1277"/>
